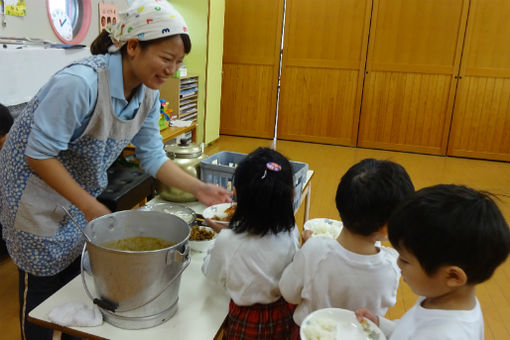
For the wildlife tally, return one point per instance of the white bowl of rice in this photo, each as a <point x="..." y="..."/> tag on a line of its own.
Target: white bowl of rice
<point x="338" y="324"/>
<point x="324" y="227"/>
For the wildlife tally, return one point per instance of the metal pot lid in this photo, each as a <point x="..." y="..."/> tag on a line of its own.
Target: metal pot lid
<point x="187" y="214"/>
<point x="184" y="150"/>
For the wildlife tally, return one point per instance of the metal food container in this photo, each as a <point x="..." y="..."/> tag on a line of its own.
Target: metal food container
<point x="187" y="214"/>
<point x="135" y="289"/>
<point x="187" y="156"/>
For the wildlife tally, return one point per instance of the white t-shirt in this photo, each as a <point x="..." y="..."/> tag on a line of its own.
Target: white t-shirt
<point x="325" y="274"/>
<point x="420" y="323"/>
<point x="250" y="266"/>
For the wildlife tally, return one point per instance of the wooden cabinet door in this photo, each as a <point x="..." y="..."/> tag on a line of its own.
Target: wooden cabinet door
<point x="322" y="70"/>
<point x="481" y="119"/>
<point x="251" y="56"/>
<point x="413" y="60"/>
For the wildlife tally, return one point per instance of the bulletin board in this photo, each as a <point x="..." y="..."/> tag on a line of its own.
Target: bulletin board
<point x="24" y="70"/>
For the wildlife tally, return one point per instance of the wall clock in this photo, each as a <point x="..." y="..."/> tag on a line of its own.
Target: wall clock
<point x="69" y="19"/>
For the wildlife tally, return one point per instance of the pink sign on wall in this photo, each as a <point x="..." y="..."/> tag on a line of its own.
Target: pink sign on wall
<point x="107" y="15"/>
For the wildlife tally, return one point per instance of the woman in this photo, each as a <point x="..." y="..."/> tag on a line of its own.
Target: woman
<point x="60" y="147"/>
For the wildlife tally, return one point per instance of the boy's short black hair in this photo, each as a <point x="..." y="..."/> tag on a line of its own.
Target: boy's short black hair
<point x="6" y="120"/>
<point x="264" y="197"/>
<point x="368" y="192"/>
<point x="452" y="225"/>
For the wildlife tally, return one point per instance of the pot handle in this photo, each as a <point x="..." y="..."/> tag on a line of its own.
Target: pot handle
<point x="183" y="257"/>
<point x="103" y="303"/>
<point x="176" y="256"/>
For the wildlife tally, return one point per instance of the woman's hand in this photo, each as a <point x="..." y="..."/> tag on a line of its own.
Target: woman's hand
<point x="210" y="194"/>
<point x="362" y="313"/>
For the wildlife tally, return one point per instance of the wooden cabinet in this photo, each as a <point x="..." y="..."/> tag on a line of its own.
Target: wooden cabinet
<point x="481" y="119"/>
<point x="413" y="59"/>
<point x="181" y="95"/>
<point x="428" y="76"/>
<point x="251" y="54"/>
<point x="322" y="73"/>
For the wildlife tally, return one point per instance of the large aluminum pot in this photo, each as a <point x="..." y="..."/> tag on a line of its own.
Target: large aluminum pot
<point x="135" y="289"/>
<point x="187" y="156"/>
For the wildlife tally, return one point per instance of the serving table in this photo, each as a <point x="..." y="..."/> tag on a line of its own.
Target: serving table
<point x="202" y="308"/>
<point x="202" y="305"/>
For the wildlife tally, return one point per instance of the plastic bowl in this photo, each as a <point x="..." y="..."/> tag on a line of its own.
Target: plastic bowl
<point x="324" y="227"/>
<point x="203" y="245"/>
<point x="338" y="324"/>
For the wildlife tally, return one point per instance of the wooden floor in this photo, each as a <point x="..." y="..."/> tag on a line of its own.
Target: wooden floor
<point x="330" y="163"/>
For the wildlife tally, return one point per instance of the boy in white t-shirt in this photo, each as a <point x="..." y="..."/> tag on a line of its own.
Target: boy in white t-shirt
<point x="449" y="238"/>
<point x="352" y="271"/>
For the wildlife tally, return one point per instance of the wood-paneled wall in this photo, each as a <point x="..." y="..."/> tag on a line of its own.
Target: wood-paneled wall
<point x="427" y="76"/>
<point x="481" y="119"/>
<point x="251" y="54"/>
<point x="322" y="70"/>
<point x="413" y="58"/>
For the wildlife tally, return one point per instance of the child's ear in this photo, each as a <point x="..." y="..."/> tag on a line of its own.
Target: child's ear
<point x="455" y="276"/>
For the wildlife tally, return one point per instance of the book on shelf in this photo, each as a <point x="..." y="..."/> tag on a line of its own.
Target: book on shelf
<point x="189" y="93"/>
<point x="192" y="116"/>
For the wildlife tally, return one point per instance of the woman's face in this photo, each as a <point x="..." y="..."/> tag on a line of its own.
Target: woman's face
<point x="157" y="62"/>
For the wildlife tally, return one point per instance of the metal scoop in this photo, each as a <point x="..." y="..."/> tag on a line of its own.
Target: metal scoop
<point x="76" y="224"/>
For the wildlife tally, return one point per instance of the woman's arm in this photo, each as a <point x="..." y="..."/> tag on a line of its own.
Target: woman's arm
<point x="171" y="174"/>
<point x="53" y="172"/>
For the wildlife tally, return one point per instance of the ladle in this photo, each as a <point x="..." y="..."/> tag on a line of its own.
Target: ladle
<point x="77" y="225"/>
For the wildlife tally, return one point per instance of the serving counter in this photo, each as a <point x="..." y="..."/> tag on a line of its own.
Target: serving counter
<point x="202" y="305"/>
<point x="202" y="308"/>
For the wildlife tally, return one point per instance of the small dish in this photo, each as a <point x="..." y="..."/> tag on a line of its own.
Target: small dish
<point x="338" y="323"/>
<point x="218" y="212"/>
<point x="324" y="227"/>
<point x="202" y="246"/>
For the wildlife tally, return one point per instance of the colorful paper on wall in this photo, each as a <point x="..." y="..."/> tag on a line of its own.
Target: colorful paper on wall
<point x="1" y="7"/>
<point x="107" y="15"/>
<point x="15" y="7"/>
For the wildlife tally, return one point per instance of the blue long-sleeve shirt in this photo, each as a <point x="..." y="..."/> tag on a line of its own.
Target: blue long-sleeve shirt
<point x="66" y="104"/>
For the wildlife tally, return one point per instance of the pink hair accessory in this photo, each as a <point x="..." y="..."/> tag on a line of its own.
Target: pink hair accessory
<point x="273" y="166"/>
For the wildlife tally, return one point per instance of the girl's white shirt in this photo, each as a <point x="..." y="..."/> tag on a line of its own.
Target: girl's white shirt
<point x="250" y="266"/>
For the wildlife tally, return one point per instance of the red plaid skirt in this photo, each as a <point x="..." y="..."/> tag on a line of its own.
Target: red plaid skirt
<point x="261" y="322"/>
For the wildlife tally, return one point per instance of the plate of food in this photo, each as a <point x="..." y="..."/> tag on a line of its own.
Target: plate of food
<point x="220" y="213"/>
<point x="338" y="323"/>
<point x="325" y="227"/>
<point x="201" y="238"/>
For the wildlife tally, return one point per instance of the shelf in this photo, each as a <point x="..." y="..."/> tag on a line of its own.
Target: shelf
<point x="192" y="87"/>
<point x="182" y="114"/>
<point x="181" y="94"/>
